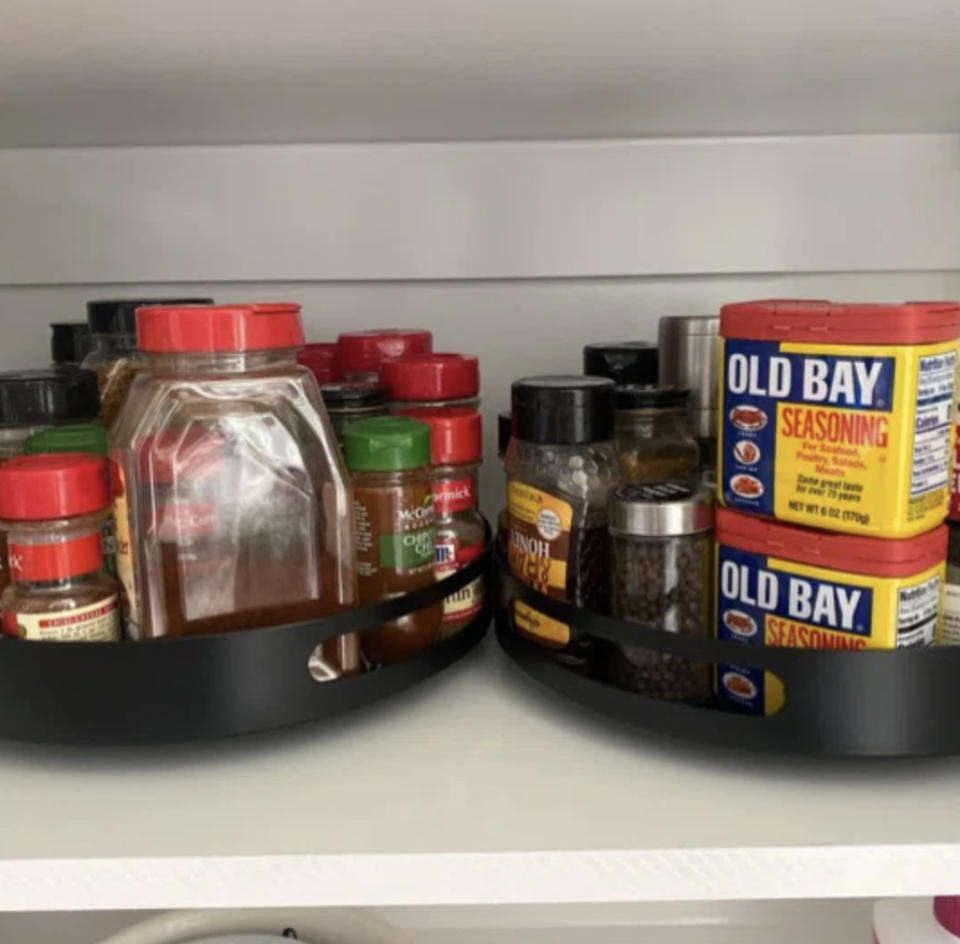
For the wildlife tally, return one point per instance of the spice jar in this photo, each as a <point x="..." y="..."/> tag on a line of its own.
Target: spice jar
<point x="456" y="446"/>
<point x="233" y="505"/>
<point x="363" y="352"/>
<point x="662" y="554"/>
<point x="114" y="356"/>
<point x="654" y="440"/>
<point x="348" y="401"/>
<point x="70" y="343"/>
<point x="389" y="459"/>
<point x="322" y="360"/>
<point x="432" y="381"/>
<point x="624" y="362"/>
<point x="51" y="508"/>
<point x="561" y="465"/>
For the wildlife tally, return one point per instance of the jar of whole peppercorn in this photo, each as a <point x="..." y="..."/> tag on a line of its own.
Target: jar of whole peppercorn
<point x="654" y="439"/>
<point x="561" y="466"/>
<point x="662" y="557"/>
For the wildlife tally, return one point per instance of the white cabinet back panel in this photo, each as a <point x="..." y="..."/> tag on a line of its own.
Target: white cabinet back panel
<point x="517" y="327"/>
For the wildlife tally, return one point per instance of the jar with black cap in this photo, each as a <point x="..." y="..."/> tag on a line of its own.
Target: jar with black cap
<point x="654" y="438"/>
<point x="662" y="545"/>
<point x="114" y="357"/>
<point x="347" y="401"/>
<point x="624" y="362"/>
<point x="561" y="466"/>
<point x="70" y="343"/>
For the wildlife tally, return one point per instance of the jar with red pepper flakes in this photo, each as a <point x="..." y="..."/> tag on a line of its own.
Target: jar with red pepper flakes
<point x="362" y="353"/>
<point x="432" y="381"/>
<point x="456" y="445"/>
<point x="52" y="507"/>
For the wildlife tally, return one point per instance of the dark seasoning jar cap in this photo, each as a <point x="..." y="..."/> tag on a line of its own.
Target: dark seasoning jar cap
<point x="661" y="509"/>
<point x="625" y="362"/>
<point x="70" y="341"/>
<point x="353" y="396"/>
<point x="48" y="397"/>
<point x="648" y="396"/>
<point x="119" y="315"/>
<point x="563" y="410"/>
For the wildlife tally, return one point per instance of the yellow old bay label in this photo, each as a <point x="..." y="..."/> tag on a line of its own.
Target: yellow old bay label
<point x="766" y="600"/>
<point x="854" y="438"/>
<point x="537" y="550"/>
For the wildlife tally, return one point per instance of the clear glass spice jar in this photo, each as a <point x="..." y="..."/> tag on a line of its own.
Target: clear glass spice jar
<point x="654" y="439"/>
<point x="233" y="505"/>
<point x="114" y="357"/>
<point x="389" y="459"/>
<point x="662" y="563"/>
<point x="561" y="466"/>
<point x="456" y="446"/>
<point x="52" y="508"/>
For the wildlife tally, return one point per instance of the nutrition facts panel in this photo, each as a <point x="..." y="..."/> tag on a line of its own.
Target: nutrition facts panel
<point x="917" y="613"/>
<point x="931" y="459"/>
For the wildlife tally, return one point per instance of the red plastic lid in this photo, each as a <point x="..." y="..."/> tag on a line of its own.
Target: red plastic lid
<point x="367" y="350"/>
<point x="323" y="360"/>
<point x="456" y="434"/>
<point x="946" y="909"/>
<point x="211" y="328"/>
<point x="832" y="323"/>
<point x="53" y="485"/>
<point x="871" y="557"/>
<point x="432" y="377"/>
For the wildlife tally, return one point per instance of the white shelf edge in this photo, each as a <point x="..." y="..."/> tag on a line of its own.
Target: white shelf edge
<point x="596" y="877"/>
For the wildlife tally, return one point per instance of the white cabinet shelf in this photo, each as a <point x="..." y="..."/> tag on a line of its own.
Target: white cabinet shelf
<point x="229" y="71"/>
<point x="478" y="789"/>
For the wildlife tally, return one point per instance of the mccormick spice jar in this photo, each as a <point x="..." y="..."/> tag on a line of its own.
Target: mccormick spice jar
<point x="779" y="585"/>
<point x="70" y="343"/>
<point x="654" y="439"/>
<point x="363" y="352"/>
<point x="432" y="381"/>
<point x="389" y="459"/>
<point x="348" y="401"/>
<point x="322" y="360"/>
<point x="624" y="362"/>
<point x="839" y="416"/>
<point x="51" y="508"/>
<point x="114" y="356"/>
<point x="233" y="505"/>
<point x="662" y="545"/>
<point x="561" y="465"/>
<point x="456" y="438"/>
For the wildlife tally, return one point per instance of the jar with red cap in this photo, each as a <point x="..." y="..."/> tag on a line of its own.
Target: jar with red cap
<point x="456" y="446"/>
<point x="432" y="381"/>
<point x="362" y="353"/>
<point x="233" y="506"/>
<point x="323" y="361"/>
<point x="52" y="508"/>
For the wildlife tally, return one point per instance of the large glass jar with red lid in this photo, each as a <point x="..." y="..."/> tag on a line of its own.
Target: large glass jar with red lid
<point x="52" y="508"/>
<point x="432" y="381"/>
<point x="363" y="352"/>
<point x="456" y="447"/>
<point x="233" y="506"/>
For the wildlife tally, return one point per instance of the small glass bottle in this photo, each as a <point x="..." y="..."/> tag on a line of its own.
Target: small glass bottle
<point x="654" y="439"/>
<point x="389" y="460"/>
<point x="363" y="352"/>
<point x="561" y="465"/>
<point x="456" y="438"/>
<point x="662" y="555"/>
<point x="52" y="507"/>
<point x="114" y="357"/>
<point x="432" y="381"/>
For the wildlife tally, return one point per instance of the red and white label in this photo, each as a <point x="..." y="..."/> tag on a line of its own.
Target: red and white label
<point x="99" y="622"/>
<point x="451" y="557"/>
<point x="452" y="495"/>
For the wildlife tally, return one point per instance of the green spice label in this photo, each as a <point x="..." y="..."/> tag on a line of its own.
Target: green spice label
<point x="408" y="550"/>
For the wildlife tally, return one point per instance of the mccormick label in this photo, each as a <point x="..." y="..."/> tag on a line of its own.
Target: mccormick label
<point x="450" y="556"/>
<point x="453" y="495"/>
<point x="766" y="600"/>
<point x="853" y="438"/>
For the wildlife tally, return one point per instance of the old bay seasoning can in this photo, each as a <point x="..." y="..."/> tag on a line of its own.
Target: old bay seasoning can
<point x="780" y="585"/>
<point x="839" y="416"/>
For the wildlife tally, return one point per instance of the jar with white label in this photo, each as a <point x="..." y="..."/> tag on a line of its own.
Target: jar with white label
<point x="52" y="507"/>
<point x="950" y="627"/>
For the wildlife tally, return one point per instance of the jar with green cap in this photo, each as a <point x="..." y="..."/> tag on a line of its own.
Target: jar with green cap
<point x="389" y="461"/>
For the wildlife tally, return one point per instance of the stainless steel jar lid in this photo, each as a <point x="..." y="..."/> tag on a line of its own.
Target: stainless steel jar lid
<point x="661" y="509"/>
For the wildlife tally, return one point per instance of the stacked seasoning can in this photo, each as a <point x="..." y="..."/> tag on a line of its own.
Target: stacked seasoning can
<point x="836" y="425"/>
